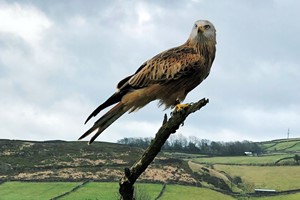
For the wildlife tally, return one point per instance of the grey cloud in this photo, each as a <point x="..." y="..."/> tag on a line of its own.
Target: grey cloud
<point x="252" y="87"/>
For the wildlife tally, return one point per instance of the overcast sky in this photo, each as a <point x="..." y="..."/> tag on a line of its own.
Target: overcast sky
<point x="60" y="59"/>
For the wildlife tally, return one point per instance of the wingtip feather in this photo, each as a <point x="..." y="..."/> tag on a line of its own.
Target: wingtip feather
<point x="105" y="121"/>
<point x="88" y="119"/>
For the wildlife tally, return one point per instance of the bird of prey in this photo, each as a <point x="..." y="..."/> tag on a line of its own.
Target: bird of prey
<point x="168" y="77"/>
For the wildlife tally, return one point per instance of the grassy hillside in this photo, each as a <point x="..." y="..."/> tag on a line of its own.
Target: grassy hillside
<point x="282" y="145"/>
<point x="77" y="161"/>
<point x="279" y="178"/>
<point x="59" y="160"/>
<point x="243" y="160"/>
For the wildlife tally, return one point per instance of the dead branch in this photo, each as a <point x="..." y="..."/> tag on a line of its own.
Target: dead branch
<point x="168" y="127"/>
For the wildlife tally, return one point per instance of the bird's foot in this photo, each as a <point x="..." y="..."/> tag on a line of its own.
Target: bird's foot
<point x="180" y="107"/>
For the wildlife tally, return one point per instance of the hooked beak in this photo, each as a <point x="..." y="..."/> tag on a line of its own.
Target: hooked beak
<point x="200" y="30"/>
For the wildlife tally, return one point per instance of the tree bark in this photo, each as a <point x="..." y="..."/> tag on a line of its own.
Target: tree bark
<point x="168" y="127"/>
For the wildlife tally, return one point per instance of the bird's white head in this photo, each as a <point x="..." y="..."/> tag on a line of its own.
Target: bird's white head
<point x="203" y="31"/>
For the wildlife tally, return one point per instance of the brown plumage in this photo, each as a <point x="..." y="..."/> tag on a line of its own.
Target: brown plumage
<point x="167" y="77"/>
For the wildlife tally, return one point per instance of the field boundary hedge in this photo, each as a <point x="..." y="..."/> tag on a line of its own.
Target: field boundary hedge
<point x="72" y="190"/>
<point x="162" y="191"/>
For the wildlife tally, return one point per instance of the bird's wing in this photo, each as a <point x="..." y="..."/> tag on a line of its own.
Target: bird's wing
<point x="168" y="65"/>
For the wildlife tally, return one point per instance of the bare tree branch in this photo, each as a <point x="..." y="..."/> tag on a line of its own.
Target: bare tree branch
<point x="168" y="127"/>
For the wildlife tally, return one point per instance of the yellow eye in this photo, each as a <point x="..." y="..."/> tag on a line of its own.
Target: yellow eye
<point x="207" y="27"/>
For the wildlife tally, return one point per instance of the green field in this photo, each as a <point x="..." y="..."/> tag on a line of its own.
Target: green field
<point x="148" y="190"/>
<point x="272" y="177"/>
<point x="266" y="145"/>
<point x="109" y="190"/>
<point x="279" y="197"/>
<point x="95" y="191"/>
<point x="243" y="160"/>
<point x="296" y="147"/>
<point x="101" y="190"/>
<point x="284" y="145"/>
<point x="34" y="190"/>
<point x="179" y="192"/>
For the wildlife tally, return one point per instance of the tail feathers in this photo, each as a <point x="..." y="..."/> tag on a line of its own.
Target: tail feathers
<point x="115" y="98"/>
<point x="105" y="121"/>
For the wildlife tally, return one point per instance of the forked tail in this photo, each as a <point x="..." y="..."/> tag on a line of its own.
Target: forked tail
<point x="105" y="121"/>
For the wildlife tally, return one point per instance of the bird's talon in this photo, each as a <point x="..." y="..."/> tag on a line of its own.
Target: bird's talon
<point x="180" y="107"/>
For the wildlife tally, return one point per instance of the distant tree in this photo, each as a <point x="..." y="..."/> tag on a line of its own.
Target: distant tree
<point x="167" y="145"/>
<point x="191" y="148"/>
<point x="178" y="142"/>
<point x="215" y="148"/>
<point x="204" y="146"/>
<point x="194" y="140"/>
<point x="123" y="141"/>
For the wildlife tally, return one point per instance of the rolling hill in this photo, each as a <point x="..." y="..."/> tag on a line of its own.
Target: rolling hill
<point x="51" y="161"/>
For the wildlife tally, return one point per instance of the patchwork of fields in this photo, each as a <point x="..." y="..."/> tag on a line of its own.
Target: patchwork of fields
<point x="243" y="160"/>
<point x="109" y="191"/>
<point x="102" y="190"/>
<point x="220" y="177"/>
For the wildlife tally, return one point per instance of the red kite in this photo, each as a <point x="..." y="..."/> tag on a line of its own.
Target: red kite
<point x="167" y="77"/>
